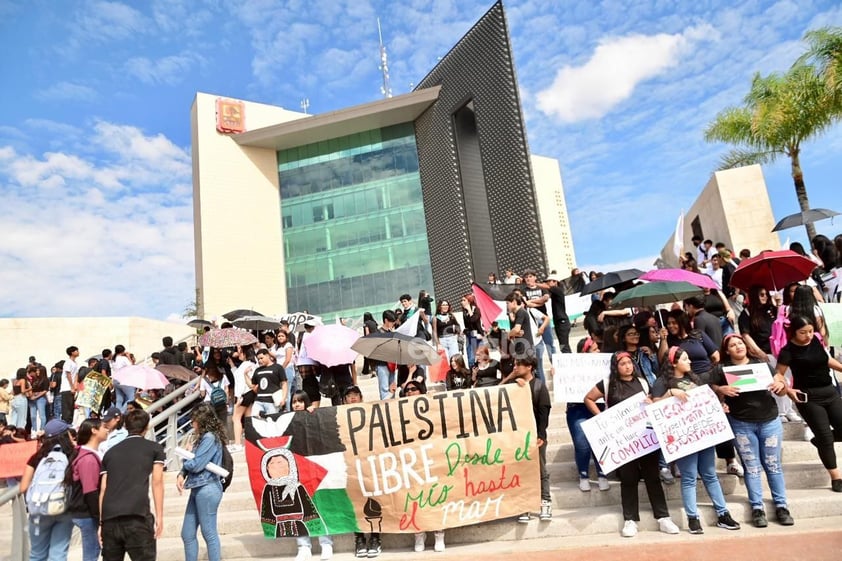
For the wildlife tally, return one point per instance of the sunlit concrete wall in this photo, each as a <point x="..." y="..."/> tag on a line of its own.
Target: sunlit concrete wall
<point x="47" y="338"/>
<point x="734" y="209"/>
<point x="236" y="214"/>
<point x="552" y="208"/>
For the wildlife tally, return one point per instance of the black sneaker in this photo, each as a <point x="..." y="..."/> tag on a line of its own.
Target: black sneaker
<point x="758" y="517"/>
<point x="836" y="485"/>
<point x="360" y="546"/>
<point x="694" y="526"/>
<point x="784" y="518"/>
<point x="374" y="545"/>
<point x="725" y="521"/>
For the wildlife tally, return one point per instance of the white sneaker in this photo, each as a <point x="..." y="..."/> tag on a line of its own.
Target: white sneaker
<point x="783" y="418"/>
<point x="439" y="541"/>
<point x="793" y="417"/>
<point x="546" y="511"/>
<point x="808" y="434"/>
<point x="603" y="484"/>
<point x="584" y="484"/>
<point x="629" y="529"/>
<point x="327" y="552"/>
<point x="667" y="526"/>
<point x="234" y="448"/>
<point x="735" y="469"/>
<point x="304" y="553"/>
<point x="419" y="541"/>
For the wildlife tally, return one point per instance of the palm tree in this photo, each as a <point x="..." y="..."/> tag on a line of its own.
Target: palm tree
<point x="780" y="113"/>
<point x="825" y="53"/>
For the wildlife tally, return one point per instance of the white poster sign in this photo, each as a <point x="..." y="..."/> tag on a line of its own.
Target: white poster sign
<point x="621" y="433"/>
<point x="687" y="427"/>
<point x="575" y="374"/>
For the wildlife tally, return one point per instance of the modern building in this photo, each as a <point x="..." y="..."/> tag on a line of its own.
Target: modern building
<point x="733" y="208"/>
<point x="342" y="212"/>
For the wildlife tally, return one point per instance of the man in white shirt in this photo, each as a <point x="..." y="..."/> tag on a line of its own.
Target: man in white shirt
<point x="67" y="392"/>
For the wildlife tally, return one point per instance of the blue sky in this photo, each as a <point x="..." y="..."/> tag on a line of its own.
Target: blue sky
<point x="95" y="171"/>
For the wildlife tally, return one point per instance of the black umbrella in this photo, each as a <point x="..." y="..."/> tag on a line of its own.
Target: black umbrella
<point x="237" y="314"/>
<point x="200" y="323"/>
<point x="177" y="372"/>
<point x="805" y="217"/>
<point x="258" y="323"/>
<point x="397" y="348"/>
<point x="608" y="280"/>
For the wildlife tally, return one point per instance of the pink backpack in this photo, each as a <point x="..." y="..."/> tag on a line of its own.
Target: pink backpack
<point x="778" y="339"/>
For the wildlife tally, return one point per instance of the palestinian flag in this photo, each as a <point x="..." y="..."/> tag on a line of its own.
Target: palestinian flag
<point x="298" y="474"/>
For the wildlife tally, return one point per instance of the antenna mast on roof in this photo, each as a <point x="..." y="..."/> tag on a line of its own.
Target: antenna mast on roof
<point x="305" y="103"/>
<point x="386" y="88"/>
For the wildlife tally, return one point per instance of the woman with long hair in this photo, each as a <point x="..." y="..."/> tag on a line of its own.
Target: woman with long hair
<point x="813" y="390"/>
<point x="756" y="321"/>
<point x="243" y="395"/>
<point x="576" y="414"/>
<point x="21" y="389"/>
<point x="49" y="536"/>
<point x="676" y="380"/>
<point x="625" y="381"/>
<point x="758" y="432"/>
<point x="486" y="372"/>
<point x="446" y="329"/>
<point x="38" y="398"/>
<point x="205" y="487"/>
<point x="369" y="327"/>
<point x="700" y="348"/>
<point x="287" y="362"/>
<point x="804" y="304"/>
<point x="458" y="376"/>
<point x="628" y="336"/>
<point x="472" y="320"/>
<point x="825" y="249"/>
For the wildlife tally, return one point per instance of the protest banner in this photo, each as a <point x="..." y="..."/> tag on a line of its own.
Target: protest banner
<point x="401" y="465"/>
<point x="753" y="377"/>
<point x="94" y="387"/>
<point x="575" y="375"/>
<point x="13" y="457"/>
<point x="297" y="319"/>
<point x="621" y="433"/>
<point x="687" y="427"/>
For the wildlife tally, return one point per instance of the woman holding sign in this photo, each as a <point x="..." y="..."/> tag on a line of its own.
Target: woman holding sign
<point x="676" y="380"/>
<point x="625" y="381"/>
<point x="758" y="431"/>
<point x="813" y="390"/>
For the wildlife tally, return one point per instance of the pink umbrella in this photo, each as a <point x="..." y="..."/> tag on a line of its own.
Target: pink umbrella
<point x="679" y="275"/>
<point x="331" y="344"/>
<point x="141" y="376"/>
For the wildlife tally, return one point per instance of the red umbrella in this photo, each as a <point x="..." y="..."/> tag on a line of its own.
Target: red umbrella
<point x="772" y="270"/>
<point x="680" y="275"/>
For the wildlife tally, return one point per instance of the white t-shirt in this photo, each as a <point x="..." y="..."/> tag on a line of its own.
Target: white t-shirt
<point x="240" y="386"/>
<point x="208" y="387"/>
<point x="120" y="362"/>
<point x="71" y="368"/>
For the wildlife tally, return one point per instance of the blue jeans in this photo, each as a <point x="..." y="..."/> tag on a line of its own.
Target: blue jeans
<point x="539" y="356"/>
<point x="90" y="540"/>
<point x="547" y="338"/>
<point x="450" y="344"/>
<point x="38" y="413"/>
<point x="471" y="344"/>
<point x="759" y="445"/>
<point x="17" y="412"/>
<point x="50" y="538"/>
<point x="201" y="513"/>
<point x="124" y="395"/>
<point x="702" y="464"/>
<point x="304" y="541"/>
<point x="385" y="379"/>
<point x="727" y="328"/>
<point x="265" y="407"/>
<point x="577" y="413"/>
<point x="292" y="387"/>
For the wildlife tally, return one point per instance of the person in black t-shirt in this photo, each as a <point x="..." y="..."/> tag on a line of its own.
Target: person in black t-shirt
<point x="521" y="343"/>
<point x="537" y="297"/>
<point x="270" y="385"/>
<point x="561" y="322"/>
<point x="813" y="390"/>
<point x="127" y="524"/>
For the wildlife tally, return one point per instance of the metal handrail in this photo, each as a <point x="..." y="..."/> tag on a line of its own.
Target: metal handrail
<point x="173" y="396"/>
<point x="20" y="536"/>
<point x="171" y="434"/>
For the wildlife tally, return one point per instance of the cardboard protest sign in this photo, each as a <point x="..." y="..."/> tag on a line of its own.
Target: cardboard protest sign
<point x="400" y="465"/>
<point x="621" y="433"/>
<point x="297" y="319"/>
<point x="94" y="385"/>
<point x="685" y="428"/>
<point x="576" y="374"/>
<point x="752" y="377"/>
<point x="13" y="457"/>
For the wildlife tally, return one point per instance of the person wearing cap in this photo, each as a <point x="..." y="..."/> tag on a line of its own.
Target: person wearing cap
<point x="112" y="420"/>
<point x="49" y="536"/>
<point x="561" y="321"/>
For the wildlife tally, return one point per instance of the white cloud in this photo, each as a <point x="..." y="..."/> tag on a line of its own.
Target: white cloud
<point x="609" y="77"/>
<point x="108" y="233"/>
<point x="101" y="21"/>
<point x="166" y="70"/>
<point x="67" y="91"/>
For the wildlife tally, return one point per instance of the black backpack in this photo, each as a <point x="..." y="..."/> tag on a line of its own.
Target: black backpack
<point x="228" y="465"/>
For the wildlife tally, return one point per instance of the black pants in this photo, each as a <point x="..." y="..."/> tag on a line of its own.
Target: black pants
<point x="67" y="407"/>
<point x="562" y="333"/>
<point x="822" y="411"/>
<point x="630" y="474"/>
<point x="134" y="535"/>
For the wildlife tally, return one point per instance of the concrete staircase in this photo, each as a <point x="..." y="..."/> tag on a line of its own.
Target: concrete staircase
<point x="579" y="517"/>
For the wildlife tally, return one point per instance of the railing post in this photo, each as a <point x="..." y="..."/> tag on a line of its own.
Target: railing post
<point x="172" y="437"/>
<point x="20" y="532"/>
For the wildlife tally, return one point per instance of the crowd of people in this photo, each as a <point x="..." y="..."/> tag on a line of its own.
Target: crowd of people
<point x="662" y="353"/>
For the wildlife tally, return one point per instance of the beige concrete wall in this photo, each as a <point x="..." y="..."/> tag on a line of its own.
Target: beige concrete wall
<point x="734" y="209"/>
<point x="237" y="214"/>
<point x="552" y="207"/>
<point x="47" y="338"/>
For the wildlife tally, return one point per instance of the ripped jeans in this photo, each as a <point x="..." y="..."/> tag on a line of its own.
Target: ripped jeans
<point x="759" y="446"/>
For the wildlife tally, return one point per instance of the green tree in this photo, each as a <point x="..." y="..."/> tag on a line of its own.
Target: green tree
<point x="780" y="113"/>
<point x="824" y="51"/>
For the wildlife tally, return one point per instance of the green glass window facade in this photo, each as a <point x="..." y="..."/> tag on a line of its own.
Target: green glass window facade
<point x="353" y="223"/>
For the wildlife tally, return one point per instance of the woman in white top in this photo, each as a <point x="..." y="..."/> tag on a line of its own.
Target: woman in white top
<point x="242" y="385"/>
<point x="286" y="359"/>
<point x="122" y="393"/>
